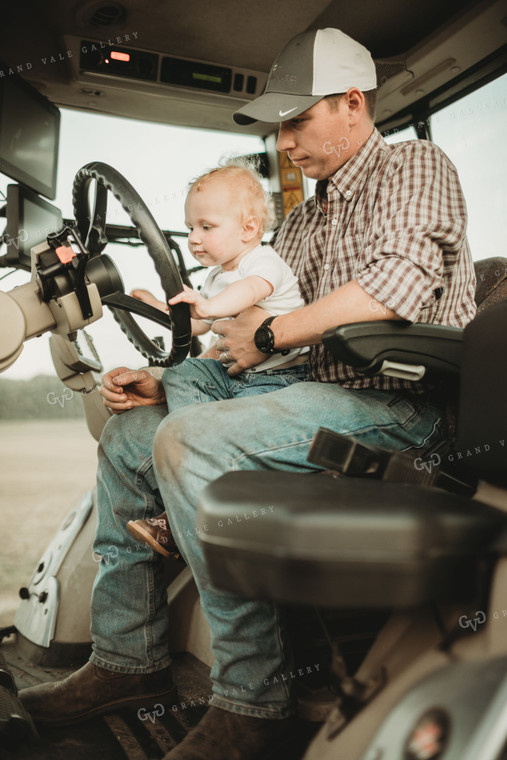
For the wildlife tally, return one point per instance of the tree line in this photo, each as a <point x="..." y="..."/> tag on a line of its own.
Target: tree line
<point x="41" y="397"/>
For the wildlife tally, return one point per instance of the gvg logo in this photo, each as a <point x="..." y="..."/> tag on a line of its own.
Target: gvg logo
<point x="21" y="238"/>
<point x="342" y="145"/>
<point x="157" y="712"/>
<point x="60" y="398"/>
<point x="428" y="464"/>
<point x="107" y="557"/>
<point x="479" y="619"/>
<point x="382" y="308"/>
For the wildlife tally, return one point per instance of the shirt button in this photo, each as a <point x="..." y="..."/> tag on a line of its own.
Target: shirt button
<point x="348" y="194"/>
<point x="334" y="222"/>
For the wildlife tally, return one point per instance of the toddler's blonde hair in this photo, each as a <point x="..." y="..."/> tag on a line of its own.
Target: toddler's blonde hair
<point x="249" y="197"/>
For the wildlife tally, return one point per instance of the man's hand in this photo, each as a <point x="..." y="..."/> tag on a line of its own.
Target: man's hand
<point x="122" y="389"/>
<point x="199" y="307"/>
<point x="235" y="340"/>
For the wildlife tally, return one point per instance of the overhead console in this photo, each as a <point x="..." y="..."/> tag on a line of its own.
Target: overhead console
<point x="102" y="61"/>
<point x="100" y="58"/>
<point x="124" y="80"/>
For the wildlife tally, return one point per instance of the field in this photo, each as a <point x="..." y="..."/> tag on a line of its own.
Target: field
<point x="45" y="468"/>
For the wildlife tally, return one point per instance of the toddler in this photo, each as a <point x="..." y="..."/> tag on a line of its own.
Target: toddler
<point x="226" y="212"/>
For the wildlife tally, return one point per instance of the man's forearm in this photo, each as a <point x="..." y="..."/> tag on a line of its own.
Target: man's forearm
<point x="349" y="303"/>
<point x="303" y="327"/>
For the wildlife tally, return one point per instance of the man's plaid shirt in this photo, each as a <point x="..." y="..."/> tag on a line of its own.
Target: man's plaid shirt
<point x="393" y="218"/>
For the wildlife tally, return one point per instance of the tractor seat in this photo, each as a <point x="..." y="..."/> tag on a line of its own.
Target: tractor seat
<point x="362" y="543"/>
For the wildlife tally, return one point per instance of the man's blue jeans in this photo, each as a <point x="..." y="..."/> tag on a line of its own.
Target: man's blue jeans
<point x="149" y="459"/>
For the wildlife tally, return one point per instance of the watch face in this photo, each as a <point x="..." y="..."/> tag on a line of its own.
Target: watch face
<point x="264" y="339"/>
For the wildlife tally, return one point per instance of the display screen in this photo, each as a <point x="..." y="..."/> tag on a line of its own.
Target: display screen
<point x="30" y="219"/>
<point x="206" y="77"/>
<point x="29" y="136"/>
<point x="195" y="74"/>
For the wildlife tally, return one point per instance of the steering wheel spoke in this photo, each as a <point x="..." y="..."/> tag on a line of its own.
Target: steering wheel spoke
<point x="96" y="238"/>
<point x="135" y="306"/>
<point x="92" y="226"/>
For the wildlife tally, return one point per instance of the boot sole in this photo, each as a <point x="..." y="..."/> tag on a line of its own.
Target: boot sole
<point x="147" y="701"/>
<point x="137" y="531"/>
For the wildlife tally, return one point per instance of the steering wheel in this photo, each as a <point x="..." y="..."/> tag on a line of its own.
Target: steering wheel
<point x="92" y="230"/>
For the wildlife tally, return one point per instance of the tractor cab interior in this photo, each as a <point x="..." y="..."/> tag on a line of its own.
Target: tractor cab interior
<point x="392" y="566"/>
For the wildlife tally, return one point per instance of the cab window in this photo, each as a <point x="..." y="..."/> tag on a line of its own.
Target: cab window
<point x="471" y="132"/>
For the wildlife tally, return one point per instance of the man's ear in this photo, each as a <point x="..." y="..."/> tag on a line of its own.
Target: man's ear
<point x="356" y="104"/>
<point x="250" y="228"/>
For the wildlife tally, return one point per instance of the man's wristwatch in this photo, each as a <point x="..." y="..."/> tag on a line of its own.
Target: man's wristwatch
<point x="265" y="340"/>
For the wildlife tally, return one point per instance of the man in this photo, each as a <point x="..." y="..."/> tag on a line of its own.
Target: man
<point x="384" y="238"/>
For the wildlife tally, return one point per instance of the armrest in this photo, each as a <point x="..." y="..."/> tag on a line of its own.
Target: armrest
<point x="399" y="349"/>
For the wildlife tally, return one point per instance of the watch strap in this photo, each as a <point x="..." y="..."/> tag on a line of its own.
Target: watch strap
<point x="270" y="348"/>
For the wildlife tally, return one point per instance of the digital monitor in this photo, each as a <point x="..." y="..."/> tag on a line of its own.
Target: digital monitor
<point x="30" y="219"/>
<point x="193" y="74"/>
<point x="29" y="134"/>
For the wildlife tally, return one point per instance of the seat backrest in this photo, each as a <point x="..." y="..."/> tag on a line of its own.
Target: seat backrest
<point x="491" y="282"/>
<point x="482" y="413"/>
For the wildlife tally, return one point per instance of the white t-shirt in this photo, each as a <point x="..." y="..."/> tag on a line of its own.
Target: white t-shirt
<point x="263" y="261"/>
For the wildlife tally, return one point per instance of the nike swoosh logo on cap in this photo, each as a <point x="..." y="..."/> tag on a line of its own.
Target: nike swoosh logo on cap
<point x="284" y="113"/>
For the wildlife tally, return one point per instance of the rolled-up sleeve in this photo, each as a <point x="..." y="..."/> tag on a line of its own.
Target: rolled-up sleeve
<point x="417" y="231"/>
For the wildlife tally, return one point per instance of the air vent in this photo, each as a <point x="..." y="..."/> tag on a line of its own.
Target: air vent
<point x="104" y="14"/>
<point x="388" y="69"/>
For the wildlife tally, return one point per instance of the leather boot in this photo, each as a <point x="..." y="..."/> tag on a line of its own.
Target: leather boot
<point x="222" y="735"/>
<point x="156" y="533"/>
<point x="93" y="691"/>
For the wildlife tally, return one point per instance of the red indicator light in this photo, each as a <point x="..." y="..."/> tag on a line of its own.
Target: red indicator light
<point x="117" y="56"/>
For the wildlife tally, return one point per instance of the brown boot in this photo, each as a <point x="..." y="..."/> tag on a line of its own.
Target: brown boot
<point x="222" y="735"/>
<point x="155" y="532"/>
<point x="92" y="691"/>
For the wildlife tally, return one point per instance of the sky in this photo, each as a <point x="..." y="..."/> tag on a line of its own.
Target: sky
<point x="160" y="161"/>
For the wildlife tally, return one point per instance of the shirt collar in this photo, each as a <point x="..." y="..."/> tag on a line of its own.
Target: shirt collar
<point x="348" y="177"/>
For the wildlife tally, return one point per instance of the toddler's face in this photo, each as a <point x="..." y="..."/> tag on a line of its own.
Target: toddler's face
<point x="217" y="235"/>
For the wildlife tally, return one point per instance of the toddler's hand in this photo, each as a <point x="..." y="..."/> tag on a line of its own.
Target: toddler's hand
<point x="199" y="308"/>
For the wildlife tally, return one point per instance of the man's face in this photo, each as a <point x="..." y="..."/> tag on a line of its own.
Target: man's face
<point x="318" y="140"/>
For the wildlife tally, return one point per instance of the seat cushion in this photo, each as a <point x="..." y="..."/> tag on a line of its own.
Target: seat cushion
<point x="342" y="542"/>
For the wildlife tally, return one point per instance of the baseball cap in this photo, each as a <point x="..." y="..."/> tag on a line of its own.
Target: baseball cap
<point x="312" y="65"/>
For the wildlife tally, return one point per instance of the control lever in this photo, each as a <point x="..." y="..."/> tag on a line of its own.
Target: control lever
<point x="63" y="296"/>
